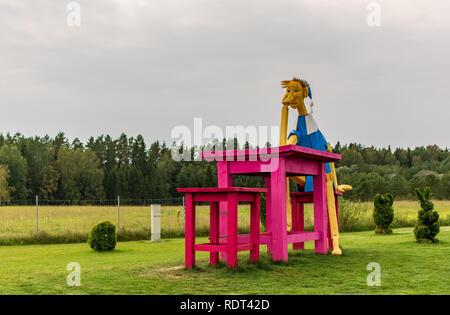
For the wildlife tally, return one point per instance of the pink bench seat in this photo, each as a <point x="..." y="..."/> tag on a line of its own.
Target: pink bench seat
<point x="231" y="196"/>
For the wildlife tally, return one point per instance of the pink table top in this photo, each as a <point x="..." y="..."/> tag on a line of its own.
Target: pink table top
<point x="219" y="190"/>
<point x="287" y="150"/>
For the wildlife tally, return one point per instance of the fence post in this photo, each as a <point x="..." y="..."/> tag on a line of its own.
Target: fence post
<point x="118" y="214"/>
<point x="37" y="216"/>
<point x="156" y="222"/>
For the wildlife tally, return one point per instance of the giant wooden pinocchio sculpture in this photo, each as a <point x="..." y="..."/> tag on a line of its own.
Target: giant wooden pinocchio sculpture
<point x="308" y="135"/>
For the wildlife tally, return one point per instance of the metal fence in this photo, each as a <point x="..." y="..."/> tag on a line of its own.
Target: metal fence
<point x="59" y="220"/>
<point x="65" y="221"/>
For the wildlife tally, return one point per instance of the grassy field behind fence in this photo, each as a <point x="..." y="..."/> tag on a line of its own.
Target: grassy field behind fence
<point x="66" y="224"/>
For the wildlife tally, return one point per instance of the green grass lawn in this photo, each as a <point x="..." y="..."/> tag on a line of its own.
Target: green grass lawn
<point x="143" y="267"/>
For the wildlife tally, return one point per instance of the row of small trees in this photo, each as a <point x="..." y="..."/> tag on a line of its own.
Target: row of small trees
<point x="427" y="224"/>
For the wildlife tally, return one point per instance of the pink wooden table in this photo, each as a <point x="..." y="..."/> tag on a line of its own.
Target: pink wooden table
<point x="275" y="164"/>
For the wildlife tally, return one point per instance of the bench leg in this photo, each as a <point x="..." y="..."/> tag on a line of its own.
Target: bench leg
<point x="232" y="226"/>
<point x="189" y="232"/>
<point x="254" y="228"/>
<point x="214" y="231"/>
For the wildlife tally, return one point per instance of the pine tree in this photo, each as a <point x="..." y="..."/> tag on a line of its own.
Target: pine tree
<point x="427" y="225"/>
<point x="383" y="214"/>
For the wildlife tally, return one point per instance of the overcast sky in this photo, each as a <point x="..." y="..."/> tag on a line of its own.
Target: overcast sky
<point x="146" y="66"/>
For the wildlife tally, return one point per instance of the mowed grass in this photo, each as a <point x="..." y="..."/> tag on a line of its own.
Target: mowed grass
<point x="143" y="267"/>
<point x="70" y="224"/>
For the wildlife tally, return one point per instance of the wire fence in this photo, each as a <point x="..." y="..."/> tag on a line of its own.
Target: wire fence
<point x="63" y="221"/>
<point x="67" y="221"/>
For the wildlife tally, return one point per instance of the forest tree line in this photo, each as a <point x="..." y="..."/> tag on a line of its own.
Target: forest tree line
<point x="104" y="168"/>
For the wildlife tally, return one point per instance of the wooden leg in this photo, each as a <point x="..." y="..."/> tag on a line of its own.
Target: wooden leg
<point x="299" y="224"/>
<point x="336" y="200"/>
<point x="224" y="180"/>
<point x="268" y="211"/>
<point x="189" y="232"/>
<point x="329" y="238"/>
<point x="254" y="228"/>
<point x="278" y="213"/>
<point x="232" y="225"/>
<point x="294" y="208"/>
<point x="320" y="211"/>
<point x="214" y="231"/>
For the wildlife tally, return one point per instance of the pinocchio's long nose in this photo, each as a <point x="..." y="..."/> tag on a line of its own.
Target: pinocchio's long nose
<point x="288" y="99"/>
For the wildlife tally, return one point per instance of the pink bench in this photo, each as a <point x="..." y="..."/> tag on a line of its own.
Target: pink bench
<point x="231" y="196"/>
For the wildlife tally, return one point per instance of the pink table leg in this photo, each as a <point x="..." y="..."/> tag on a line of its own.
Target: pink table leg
<point x="320" y="210"/>
<point x="297" y="220"/>
<point x="294" y="211"/>
<point x="301" y="222"/>
<point x="255" y="228"/>
<point x="278" y="213"/>
<point x="224" y="180"/>
<point x="190" y="232"/>
<point x="214" y="231"/>
<point x="268" y="213"/>
<point x="232" y="225"/>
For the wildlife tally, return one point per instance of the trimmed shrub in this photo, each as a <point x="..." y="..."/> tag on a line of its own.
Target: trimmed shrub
<point x="383" y="213"/>
<point x="103" y="237"/>
<point x="427" y="225"/>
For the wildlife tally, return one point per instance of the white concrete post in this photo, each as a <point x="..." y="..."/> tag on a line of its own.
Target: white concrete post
<point x="156" y="222"/>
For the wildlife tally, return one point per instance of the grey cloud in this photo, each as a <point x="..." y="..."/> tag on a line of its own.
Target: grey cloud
<point x="146" y="66"/>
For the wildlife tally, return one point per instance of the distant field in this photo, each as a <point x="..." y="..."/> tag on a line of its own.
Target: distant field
<point x="65" y="224"/>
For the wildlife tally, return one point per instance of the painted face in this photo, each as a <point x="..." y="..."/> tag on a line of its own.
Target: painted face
<point x="294" y="96"/>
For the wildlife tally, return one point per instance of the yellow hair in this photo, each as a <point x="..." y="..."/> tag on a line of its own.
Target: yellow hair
<point x="285" y="83"/>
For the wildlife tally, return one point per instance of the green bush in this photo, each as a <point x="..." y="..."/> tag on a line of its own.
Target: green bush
<point x="103" y="237"/>
<point x="383" y="213"/>
<point x="427" y="225"/>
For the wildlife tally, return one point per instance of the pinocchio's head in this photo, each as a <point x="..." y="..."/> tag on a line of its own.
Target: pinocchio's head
<point x="296" y="92"/>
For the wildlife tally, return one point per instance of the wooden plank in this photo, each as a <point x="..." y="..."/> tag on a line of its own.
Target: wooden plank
<point x="278" y="218"/>
<point x="254" y="229"/>
<point x="222" y="190"/>
<point x="189" y="257"/>
<point x="206" y="247"/>
<point x="214" y="231"/>
<point x="300" y="237"/>
<point x="320" y="211"/>
<point x="265" y="154"/>
<point x="232" y="218"/>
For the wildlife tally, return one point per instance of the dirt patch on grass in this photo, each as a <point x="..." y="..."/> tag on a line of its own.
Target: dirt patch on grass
<point x="174" y="272"/>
